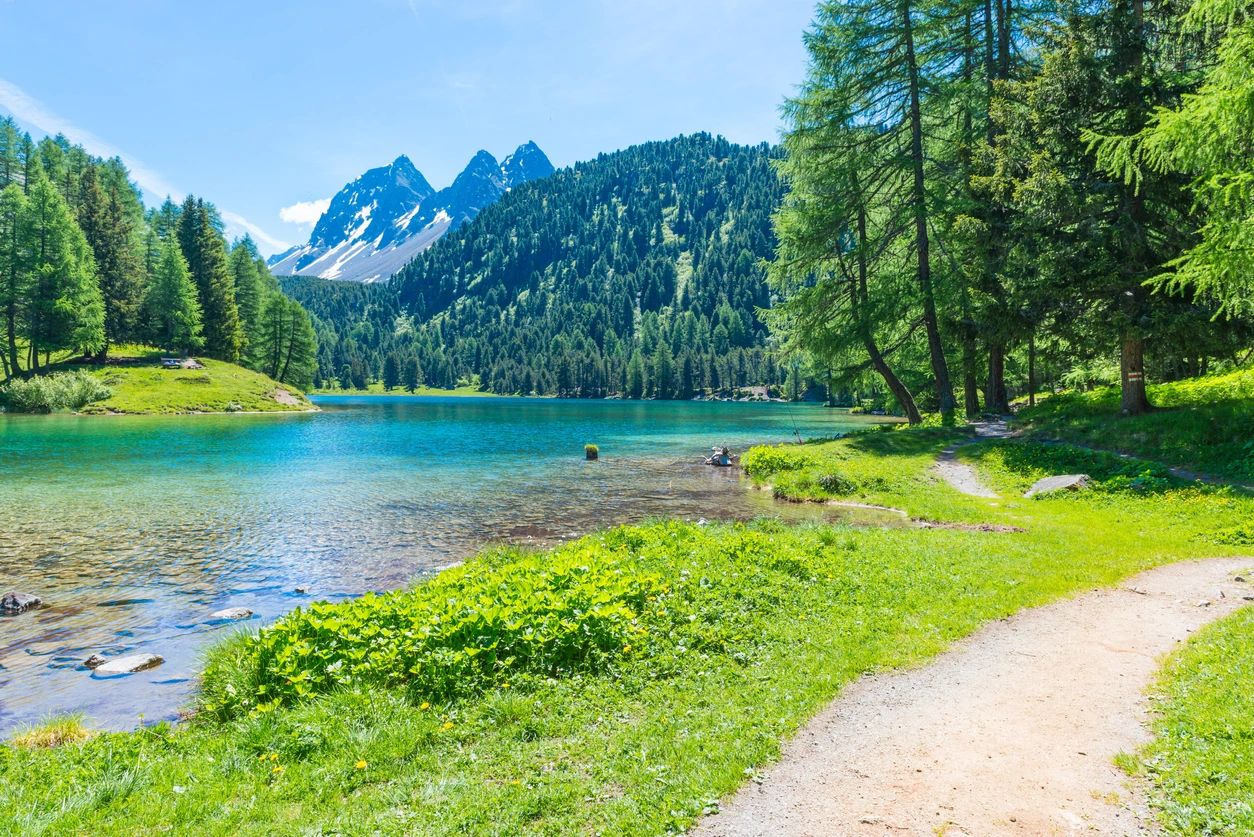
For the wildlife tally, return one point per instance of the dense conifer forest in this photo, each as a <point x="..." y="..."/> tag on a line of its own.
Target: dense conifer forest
<point x="637" y="273"/>
<point x="85" y="266"/>
<point x="990" y="198"/>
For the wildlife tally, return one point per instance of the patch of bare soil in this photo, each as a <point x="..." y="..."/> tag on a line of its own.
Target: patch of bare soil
<point x="1013" y="731"/>
<point x="968" y="527"/>
<point x="284" y="397"/>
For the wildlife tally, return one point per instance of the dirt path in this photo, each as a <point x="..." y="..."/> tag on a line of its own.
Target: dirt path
<point x="961" y="475"/>
<point x="1010" y="732"/>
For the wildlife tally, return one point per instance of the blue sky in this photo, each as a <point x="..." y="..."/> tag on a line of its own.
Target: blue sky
<point x="273" y="104"/>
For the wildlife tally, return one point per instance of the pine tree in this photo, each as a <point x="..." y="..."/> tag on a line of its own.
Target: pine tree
<point x="391" y="372"/>
<point x="635" y="377"/>
<point x="288" y="343"/>
<point x="66" y="310"/>
<point x="205" y="252"/>
<point x="171" y="309"/>
<point x="249" y="297"/>
<point x="111" y="232"/>
<point x="15" y="276"/>
<point x="411" y="374"/>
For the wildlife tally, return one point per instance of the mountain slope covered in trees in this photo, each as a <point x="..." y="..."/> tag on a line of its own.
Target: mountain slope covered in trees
<point x="636" y="273"/>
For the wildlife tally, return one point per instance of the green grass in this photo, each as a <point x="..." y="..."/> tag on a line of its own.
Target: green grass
<point x="142" y="387"/>
<point x="665" y="664"/>
<point x="1200" y="765"/>
<point x="1205" y="423"/>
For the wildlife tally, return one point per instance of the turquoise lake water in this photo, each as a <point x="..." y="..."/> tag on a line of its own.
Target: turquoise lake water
<point x="134" y="530"/>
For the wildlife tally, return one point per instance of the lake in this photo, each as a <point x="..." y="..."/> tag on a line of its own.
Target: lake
<point x="134" y="529"/>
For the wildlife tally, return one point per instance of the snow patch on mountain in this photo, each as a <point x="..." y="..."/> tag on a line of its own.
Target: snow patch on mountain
<point x="380" y="221"/>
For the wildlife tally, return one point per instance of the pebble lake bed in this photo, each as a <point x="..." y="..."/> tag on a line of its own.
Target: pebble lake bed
<point x="158" y="536"/>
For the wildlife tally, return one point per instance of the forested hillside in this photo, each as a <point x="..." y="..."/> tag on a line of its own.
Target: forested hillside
<point x="636" y="273"/>
<point x="84" y="266"/>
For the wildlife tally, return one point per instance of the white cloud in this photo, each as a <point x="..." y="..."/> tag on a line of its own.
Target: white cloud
<point x="235" y="223"/>
<point x="32" y="112"/>
<point x="304" y="212"/>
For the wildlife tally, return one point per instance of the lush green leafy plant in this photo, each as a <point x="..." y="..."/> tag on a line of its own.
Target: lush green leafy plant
<point x="766" y="461"/>
<point x="58" y="391"/>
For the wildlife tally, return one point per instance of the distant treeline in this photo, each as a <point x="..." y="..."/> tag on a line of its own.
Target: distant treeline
<point x="83" y="266"/>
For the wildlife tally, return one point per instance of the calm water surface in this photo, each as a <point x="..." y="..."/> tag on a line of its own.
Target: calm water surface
<point x="134" y="530"/>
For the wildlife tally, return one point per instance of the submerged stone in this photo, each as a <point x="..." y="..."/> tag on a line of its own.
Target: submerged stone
<point x="231" y="613"/>
<point x="130" y="664"/>
<point x="1062" y="482"/>
<point x="13" y="603"/>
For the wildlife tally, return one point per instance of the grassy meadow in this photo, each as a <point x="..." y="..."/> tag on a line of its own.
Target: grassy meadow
<point x="624" y="682"/>
<point x="1200" y="765"/>
<point x="138" y="385"/>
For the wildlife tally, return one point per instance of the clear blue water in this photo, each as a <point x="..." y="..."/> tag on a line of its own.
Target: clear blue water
<point x="134" y="530"/>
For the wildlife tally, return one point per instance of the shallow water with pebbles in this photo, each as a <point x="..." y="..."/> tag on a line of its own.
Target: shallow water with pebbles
<point x="134" y="530"/>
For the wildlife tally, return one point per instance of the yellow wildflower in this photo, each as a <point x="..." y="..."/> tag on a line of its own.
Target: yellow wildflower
<point x="448" y="725"/>
<point x="425" y="706"/>
<point x="361" y="764"/>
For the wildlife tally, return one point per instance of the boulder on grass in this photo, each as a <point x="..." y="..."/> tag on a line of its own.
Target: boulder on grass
<point x="13" y="603"/>
<point x="130" y="664"/>
<point x="1062" y="482"/>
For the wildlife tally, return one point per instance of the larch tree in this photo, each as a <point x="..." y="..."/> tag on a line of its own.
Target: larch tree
<point x="15" y="277"/>
<point x="171" y="309"/>
<point x="66" y="310"/>
<point x="111" y="231"/>
<point x="1209" y="138"/>
<point x="206" y="255"/>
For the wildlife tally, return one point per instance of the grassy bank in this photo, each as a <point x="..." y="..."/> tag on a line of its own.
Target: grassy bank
<point x="139" y="386"/>
<point x="619" y="684"/>
<point x="1205" y="424"/>
<point x="1201" y="763"/>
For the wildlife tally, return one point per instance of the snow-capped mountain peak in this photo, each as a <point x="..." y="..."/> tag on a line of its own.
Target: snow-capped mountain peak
<point x="381" y="220"/>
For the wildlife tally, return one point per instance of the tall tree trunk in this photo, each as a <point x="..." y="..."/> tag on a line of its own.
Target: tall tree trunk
<point x="1134" y="401"/>
<point x="1031" y="370"/>
<point x="858" y="295"/>
<point x="970" y="388"/>
<point x="996" y="399"/>
<point x="10" y="325"/>
<point x="940" y="369"/>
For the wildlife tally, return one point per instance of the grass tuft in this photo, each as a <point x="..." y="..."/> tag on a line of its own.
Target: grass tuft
<point x="53" y="733"/>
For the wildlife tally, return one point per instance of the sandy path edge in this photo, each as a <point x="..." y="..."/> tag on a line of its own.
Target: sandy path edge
<point x="1012" y="731"/>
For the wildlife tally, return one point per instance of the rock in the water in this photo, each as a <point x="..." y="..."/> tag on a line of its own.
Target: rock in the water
<point x="130" y="664"/>
<point x="14" y="603"/>
<point x="94" y="661"/>
<point x="1063" y="482"/>
<point x="231" y="613"/>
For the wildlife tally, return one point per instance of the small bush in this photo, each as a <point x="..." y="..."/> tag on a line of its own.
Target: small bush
<point x="765" y="461"/>
<point x="834" y="483"/>
<point x="58" y="391"/>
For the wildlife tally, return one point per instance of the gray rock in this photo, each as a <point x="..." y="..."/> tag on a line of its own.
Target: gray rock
<point x="94" y="661"/>
<point x="1063" y="482"/>
<point x="130" y="664"/>
<point x="231" y="613"/>
<point x="14" y="603"/>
